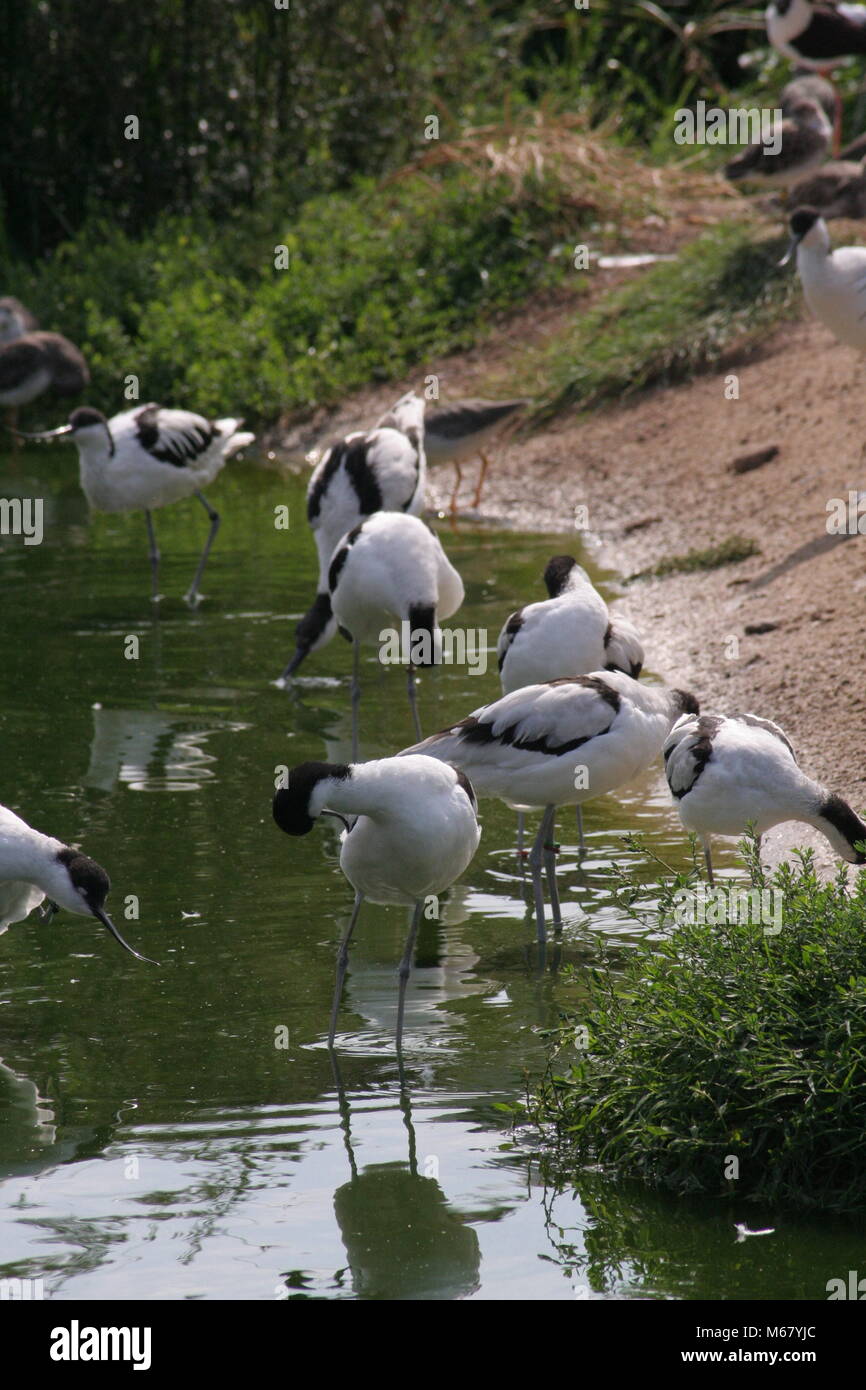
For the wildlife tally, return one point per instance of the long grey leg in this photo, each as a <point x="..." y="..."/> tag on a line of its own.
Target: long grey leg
<point x="342" y="963"/>
<point x="412" y="701"/>
<point x="535" y="865"/>
<point x="356" y="694"/>
<point x="578" y="811"/>
<point x="192" y="592"/>
<point x="405" y="967"/>
<point x="709" y="862"/>
<point x="521" y="827"/>
<point x="153" y="551"/>
<point x="550" y="866"/>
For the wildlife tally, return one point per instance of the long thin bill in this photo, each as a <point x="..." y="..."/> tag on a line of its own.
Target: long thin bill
<point x="42" y="434"/>
<point x="791" y="251"/>
<point x="107" y="922"/>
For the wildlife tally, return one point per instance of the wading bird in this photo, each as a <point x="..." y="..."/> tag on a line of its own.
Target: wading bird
<point x="464" y="430"/>
<point x="416" y="830"/>
<point x="568" y="634"/>
<point x="558" y="744"/>
<point x="36" y="362"/>
<point x="35" y="867"/>
<point x="834" y="282"/>
<point x="147" y="458"/>
<point x="382" y="470"/>
<point x="392" y="569"/>
<point x="727" y="771"/>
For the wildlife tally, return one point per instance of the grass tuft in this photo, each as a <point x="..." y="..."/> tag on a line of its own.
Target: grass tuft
<point x="729" y="552"/>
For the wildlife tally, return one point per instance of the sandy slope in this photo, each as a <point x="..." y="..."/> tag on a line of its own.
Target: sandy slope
<point x="655" y="478"/>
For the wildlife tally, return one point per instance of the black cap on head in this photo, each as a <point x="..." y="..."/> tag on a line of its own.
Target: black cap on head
<point x="86" y="415"/>
<point x="687" y="702"/>
<point x="87" y="876"/>
<point x="556" y="573"/>
<point x="291" y="806"/>
<point x="802" y="221"/>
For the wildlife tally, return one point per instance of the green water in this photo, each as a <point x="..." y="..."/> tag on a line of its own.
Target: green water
<point x="155" y="1141"/>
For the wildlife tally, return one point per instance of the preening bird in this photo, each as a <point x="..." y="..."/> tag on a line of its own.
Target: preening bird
<point x="391" y="569"/>
<point x="558" y="744"/>
<point x="380" y="470"/>
<point x="32" y="363"/>
<point x="464" y="430"/>
<point x="568" y="634"/>
<point x="801" y="142"/>
<point x="416" y="830"/>
<point x="725" y="771"/>
<point x="15" y="319"/>
<point x="36" y="867"/>
<point x="834" y="282"/>
<point x="147" y="458"/>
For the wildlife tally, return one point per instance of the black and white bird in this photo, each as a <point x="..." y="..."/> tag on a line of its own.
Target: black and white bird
<point x="391" y="569"/>
<point x="817" y="36"/>
<point x="415" y="831"/>
<point x="15" y="319"/>
<point x="801" y="142"/>
<point x="725" y="771"/>
<point x="465" y="430"/>
<point x="568" y="634"/>
<point x="33" y="363"/>
<point x="380" y="470"/>
<point x="558" y="744"/>
<point x="35" y="868"/>
<point x="834" y="282"/>
<point x="147" y="458"/>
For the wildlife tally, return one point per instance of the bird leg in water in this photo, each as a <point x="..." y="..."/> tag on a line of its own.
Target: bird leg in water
<point x="536" y="860"/>
<point x="356" y="695"/>
<point x="550" y="866"/>
<point x="153" y="552"/>
<point x="342" y="963"/>
<point x="405" y="967"/>
<point x="485" y="464"/>
<point x="192" y="596"/>
<point x="48" y="910"/>
<point x="410" y="685"/>
<point x="709" y="862"/>
<point x="579" y="818"/>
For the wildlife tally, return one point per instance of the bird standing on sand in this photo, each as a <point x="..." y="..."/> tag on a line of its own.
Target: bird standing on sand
<point x="34" y="867"/>
<point x="455" y="433"/>
<point x="416" y="830"/>
<point x="380" y="470"/>
<point x="568" y="634"/>
<point x="392" y="569"/>
<point x="147" y="458"/>
<point x="559" y="744"/>
<point x="834" y="282"/>
<point x="727" y="771"/>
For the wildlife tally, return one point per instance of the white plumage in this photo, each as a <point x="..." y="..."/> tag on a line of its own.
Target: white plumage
<point x="816" y="36"/>
<point x="725" y="771"/>
<point x="391" y="569"/>
<point x="34" y="867"/>
<point x="557" y="744"/>
<point x="380" y="470"/>
<point x="147" y="458"/>
<point x="415" y="832"/>
<point x="834" y="282"/>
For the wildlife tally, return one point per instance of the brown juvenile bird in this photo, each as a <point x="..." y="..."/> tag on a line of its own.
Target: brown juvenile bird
<point x="37" y="362"/>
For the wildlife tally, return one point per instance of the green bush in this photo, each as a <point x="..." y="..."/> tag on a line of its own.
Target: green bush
<point x="720" y="1041"/>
